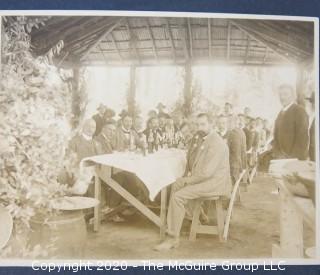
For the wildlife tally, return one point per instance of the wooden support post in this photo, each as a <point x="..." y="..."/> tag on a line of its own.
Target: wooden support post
<point x="163" y="213"/>
<point x="291" y="229"/>
<point x="190" y="36"/>
<point x="209" y="38"/>
<point x="228" y="40"/>
<point x="75" y="97"/>
<point x="97" y="208"/>
<point x="132" y="91"/>
<point x="187" y="89"/>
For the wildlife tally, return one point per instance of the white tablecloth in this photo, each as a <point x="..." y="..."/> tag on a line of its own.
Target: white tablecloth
<point x="155" y="170"/>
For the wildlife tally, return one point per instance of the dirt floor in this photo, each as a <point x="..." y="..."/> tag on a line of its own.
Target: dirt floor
<point x="254" y="228"/>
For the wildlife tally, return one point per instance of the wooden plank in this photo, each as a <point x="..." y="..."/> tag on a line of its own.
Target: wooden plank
<point x="291" y="228"/>
<point x="231" y="203"/>
<point x="255" y="37"/>
<point x="190" y="37"/>
<point x="228" y="40"/>
<point x="299" y="203"/>
<point x="171" y="40"/>
<point x="154" y="47"/>
<point x="209" y="38"/>
<point x="247" y="50"/>
<point x="208" y="229"/>
<point x="220" y="218"/>
<point x="103" y="36"/>
<point x="116" y="46"/>
<point x="163" y="213"/>
<point x="265" y="55"/>
<point x="97" y="208"/>
<point x="184" y="40"/>
<point x="132" y="41"/>
<point x="195" y="220"/>
<point x="132" y="200"/>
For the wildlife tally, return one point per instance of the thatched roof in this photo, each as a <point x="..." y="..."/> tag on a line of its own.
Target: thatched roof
<point x="162" y="40"/>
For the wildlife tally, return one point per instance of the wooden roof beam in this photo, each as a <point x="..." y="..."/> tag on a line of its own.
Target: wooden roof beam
<point x="171" y="40"/>
<point x="265" y="55"/>
<point x="247" y="50"/>
<point x="102" y="36"/>
<point x="209" y="38"/>
<point x="116" y="46"/>
<point x="154" y="48"/>
<point x="102" y="53"/>
<point x="182" y="31"/>
<point x="268" y="45"/>
<point x="132" y="41"/>
<point x="229" y="40"/>
<point x="190" y="37"/>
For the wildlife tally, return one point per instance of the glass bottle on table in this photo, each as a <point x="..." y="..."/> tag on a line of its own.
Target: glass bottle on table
<point x="157" y="141"/>
<point x="144" y="145"/>
<point x="132" y="144"/>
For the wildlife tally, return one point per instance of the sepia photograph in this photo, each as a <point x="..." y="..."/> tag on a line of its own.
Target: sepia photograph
<point x="168" y="136"/>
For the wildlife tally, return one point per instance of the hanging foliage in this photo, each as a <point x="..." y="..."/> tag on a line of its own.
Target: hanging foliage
<point x="35" y="114"/>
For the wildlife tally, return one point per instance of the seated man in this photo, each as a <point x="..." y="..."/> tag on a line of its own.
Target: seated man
<point x="126" y="139"/>
<point x="207" y="175"/>
<point x="105" y="141"/>
<point x="81" y="146"/>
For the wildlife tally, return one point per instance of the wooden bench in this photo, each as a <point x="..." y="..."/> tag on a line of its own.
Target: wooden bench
<point x="294" y="212"/>
<point x="223" y="219"/>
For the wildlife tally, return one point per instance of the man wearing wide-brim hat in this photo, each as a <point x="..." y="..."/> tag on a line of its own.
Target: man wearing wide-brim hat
<point x="161" y="108"/>
<point x="99" y="118"/>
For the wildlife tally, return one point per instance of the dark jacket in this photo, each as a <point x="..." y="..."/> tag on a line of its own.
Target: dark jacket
<point x="122" y="140"/>
<point x="100" y="121"/>
<point x="236" y="141"/>
<point x="290" y="138"/>
<point x="104" y="145"/>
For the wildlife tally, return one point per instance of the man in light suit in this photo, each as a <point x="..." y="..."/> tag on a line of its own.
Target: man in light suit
<point x="290" y="138"/>
<point x="207" y="175"/>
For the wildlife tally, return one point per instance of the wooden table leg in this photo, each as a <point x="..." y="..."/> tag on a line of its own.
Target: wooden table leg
<point x="163" y="213"/>
<point x="97" y="195"/>
<point x="291" y="229"/>
<point x="131" y="199"/>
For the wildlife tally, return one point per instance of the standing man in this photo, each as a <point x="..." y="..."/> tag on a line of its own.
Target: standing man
<point x="207" y="175"/>
<point x="222" y="126"/>
<point x="236" y="141"/>
<point x="99" y="118"/>
<point x="290" y="138"/>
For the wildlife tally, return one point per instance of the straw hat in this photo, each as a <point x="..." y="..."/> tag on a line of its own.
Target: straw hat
<point x="6" y="226"/>
<point x="101" y="107"/>
<point x="160" y="106"/>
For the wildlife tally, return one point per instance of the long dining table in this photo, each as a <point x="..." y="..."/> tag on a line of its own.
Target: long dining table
<point x="157" y="171"/>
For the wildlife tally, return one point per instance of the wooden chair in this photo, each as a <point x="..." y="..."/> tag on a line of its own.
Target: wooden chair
<point x="223" y="219"/>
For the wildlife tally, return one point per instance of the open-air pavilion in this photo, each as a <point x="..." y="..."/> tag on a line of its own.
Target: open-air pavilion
<point x="134" y="42"/>
<point x="154" y="41"/>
